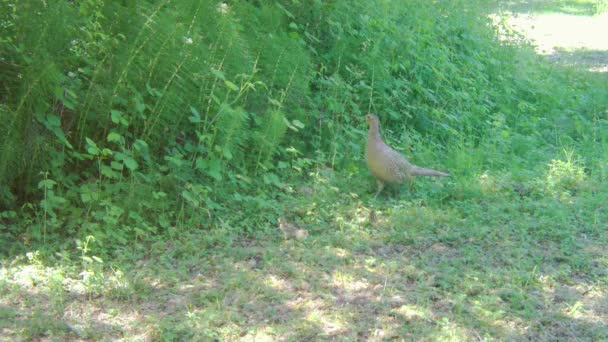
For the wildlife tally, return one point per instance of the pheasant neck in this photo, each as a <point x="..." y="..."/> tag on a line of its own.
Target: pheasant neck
<point x="374" y="132"/>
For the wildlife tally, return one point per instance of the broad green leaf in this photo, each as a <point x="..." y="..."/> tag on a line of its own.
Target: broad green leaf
<point x="175" y="160"/>
<point x="163" y="222"/>
<point x="117" y="166"/>
<point x="53" y="120"/>
<point x="86" y="259"/>
<point x="201" y="163"/>
<point x="158" y="194"/>
<point x="231" y="85"/>
<point x="93" y="150"/>
<point x="216" y="99"/>
<point x="212" y="204"/>
<point x="272" y="179"/>
<point x="274" y="102"/>
<point x="98" y="259"/>
<point x="195" y="112"/>
<point x="189" y="197"/>
<point x="215" y="169"/>
<point x="53" y="123"/>
<point x="290" y="125"/>
<point x="140" y="145"/>
<point x="107" y="171"/>
<point x="227" y="154"/>
<point x="59" y="134"/>
<point x="115" y="115"/>
<point x="218" y="74"/>
<point x="91" y="142"/>
<point x="297" y="123"/>
<point x="130" y="163"/>
<point x="114" y="137"/>
<point x="86" y="197"/>
<point x="195" y="119"/>
<point x="46" y="183"/>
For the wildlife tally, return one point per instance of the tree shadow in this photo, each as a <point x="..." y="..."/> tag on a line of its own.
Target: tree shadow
<point x="416" y="271"/>
<point x="30" y="313"/>
<point x="592" y="60"/>
<point x="163" y="298"/>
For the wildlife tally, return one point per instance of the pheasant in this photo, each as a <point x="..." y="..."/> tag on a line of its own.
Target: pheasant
<point x="386" y="164"/>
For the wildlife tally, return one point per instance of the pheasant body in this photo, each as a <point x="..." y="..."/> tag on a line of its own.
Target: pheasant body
<point x="386" y="164"/>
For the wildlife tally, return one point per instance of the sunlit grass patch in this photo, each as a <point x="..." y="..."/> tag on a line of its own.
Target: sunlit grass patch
<point x="565" y="177"/>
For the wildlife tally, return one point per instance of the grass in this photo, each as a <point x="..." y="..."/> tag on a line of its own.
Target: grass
<point x="512" y="247"/>
<point x="508" y="260"/>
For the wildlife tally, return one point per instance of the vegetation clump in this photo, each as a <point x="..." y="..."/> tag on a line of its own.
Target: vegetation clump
<point x="149" y="148"/>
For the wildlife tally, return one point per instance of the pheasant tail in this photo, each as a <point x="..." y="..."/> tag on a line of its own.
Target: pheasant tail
<point x="421" y="171"/>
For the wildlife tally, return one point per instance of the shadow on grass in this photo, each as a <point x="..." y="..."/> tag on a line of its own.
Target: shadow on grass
<point x="592" y="60"/>
<point x="573" y="7"/>
<point x="31" y="311"/>
<point x="168" y="298"/>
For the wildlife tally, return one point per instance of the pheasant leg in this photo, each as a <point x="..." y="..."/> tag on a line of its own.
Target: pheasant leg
<point x="380" y="187"/>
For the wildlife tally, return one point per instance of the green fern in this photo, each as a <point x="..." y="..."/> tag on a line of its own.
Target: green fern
<point x="268" y="137"/>
<point x="232" y="130"/>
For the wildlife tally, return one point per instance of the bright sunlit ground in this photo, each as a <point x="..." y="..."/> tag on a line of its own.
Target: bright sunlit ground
<point x="568" y="38"/>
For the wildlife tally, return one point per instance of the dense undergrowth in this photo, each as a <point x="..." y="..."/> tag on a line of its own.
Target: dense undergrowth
<point x="126" y="121"/>
<point x="150" y="147"/>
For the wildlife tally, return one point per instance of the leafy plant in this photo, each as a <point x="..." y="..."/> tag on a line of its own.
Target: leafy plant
<point x="150" y="117"/>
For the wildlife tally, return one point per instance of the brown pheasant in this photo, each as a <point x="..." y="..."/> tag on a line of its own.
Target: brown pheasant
<point x="386" y="164"/>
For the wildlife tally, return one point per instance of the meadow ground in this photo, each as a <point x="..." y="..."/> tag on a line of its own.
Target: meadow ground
<point x="494" y="255"/>
<point x="511" y="262"/>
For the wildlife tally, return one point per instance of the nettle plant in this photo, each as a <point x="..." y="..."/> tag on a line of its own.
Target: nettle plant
<point x="146" y="107"/>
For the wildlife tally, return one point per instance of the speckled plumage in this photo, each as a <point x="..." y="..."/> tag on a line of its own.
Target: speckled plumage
<point x="386" y="164"/>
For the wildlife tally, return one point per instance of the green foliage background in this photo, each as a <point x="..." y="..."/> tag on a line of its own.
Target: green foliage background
<point x="126" y="120"/>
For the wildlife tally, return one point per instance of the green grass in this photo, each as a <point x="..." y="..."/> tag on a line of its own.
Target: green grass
<point x="143" y="190"/>
<point x="497" y="263"/>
